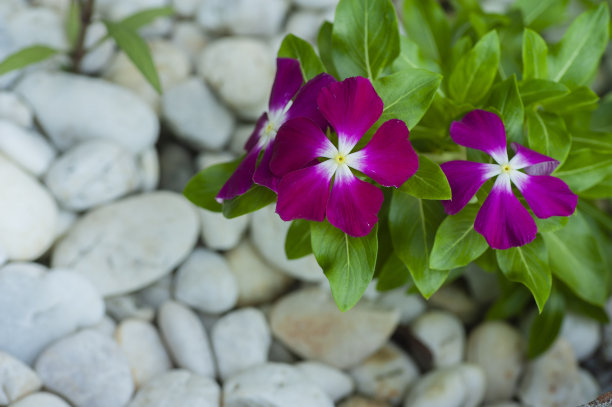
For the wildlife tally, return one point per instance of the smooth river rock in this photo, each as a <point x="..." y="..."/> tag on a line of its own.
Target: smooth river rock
<point x="73" y="108"/>
<point x="178" y="388"/>
<point x="310" y="324"/>
<point x="41" y="399"/>
<point x="26" y="148"/>
<point x="16" y="379"/>
<point x="129" y="244"/>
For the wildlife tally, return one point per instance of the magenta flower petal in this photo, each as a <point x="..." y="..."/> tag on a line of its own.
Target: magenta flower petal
<point x="256" y="135"/>
<point x="547" y="196"/>
<point x="298" y="142"/>
<point x="305" y="102"/>
<point x="263" y="175"/>
<point x="388" y="158"/>
<point x="502" y="220"/>
<point x="533" y="162"/>
<point x="351" y="107"/>
<point x="303" y="194"/>
<point x="242" y="179"/>
<point x="353" y="204"/>
<point x="483" y="131"/>
<point x="465" y="179"/>
<point x="286" y="83"/>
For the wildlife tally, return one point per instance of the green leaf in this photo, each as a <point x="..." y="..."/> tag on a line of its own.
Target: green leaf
<point x="348" y="262"/>
<point x="137" y="51"/>
<point x="324" y="43"/>
<point x="575" y="258"/>
<point x="413" y="223"/>
<point x="535" y="52"/>
<point x="203" y="187"/>
<point x="393" y="274"/>
<point x="576" y="57"/>
<point x="602" y="190"/>
<point x="600" y="142"/>
<point x="528" y="265"/>
<point x="73" y="22"/>
<point x="457" y="243"/>
<point x="25" y="57"/>
<point x="550" y="224"/>
<point x="547" y="135"/>
<point x="584" y="169"/>
<point x="601" y="119"/>
<point x="412" y="57"/>
<point x="297" y="242"/>
<point x="581" y="98"/>
<point x="506" y="99"/>
<point x="474" y="74"/>
<point x="543" y="13"/>
<point x="429" y="182"/>
<point x="546" y="326"/>
<point x="407" y="94"/>
<point x="510" y="304"/>
<point x="145" y="17"/>
<point x="427" y="25"/>
<point x="297" y="48"/>
<point x="538" y="90"/>
<point x="365" y="37"/>
<point x="255" y="198"/>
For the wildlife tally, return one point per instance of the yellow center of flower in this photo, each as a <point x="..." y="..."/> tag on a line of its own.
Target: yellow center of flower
<point x="340" y="158"/>
<point x="270" y="129"/>
<point x="506" y="168"/>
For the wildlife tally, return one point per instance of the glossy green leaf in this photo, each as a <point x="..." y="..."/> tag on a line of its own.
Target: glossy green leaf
<point x="427" y="25"/>
<point x="537" y="90"/>
<point x="407" y="94"/>
<point x="599" y="142"/>
<point x="575" y="258"/>
<point x="393" y="274"/>
<point x="474" y="74"/>
<point x="550" y="224"/>
<point x="413" y="223"/>
<point x="145" y="17"/>
<point x="324" y="43"/>
<point x="26" y="56"/>
<point x="528" y="265"/>
<point x="601" y="190"/>
<point x="297" y="48"/>
<point x="506" y="99"/>
<point x="137" y="51"/>
<point x="510" y="304"/>
<point x="581" y="98"/>
<point x="297" y="242"/>
<point x="542" y="13"/>
<point x="203" y="187"/>
<point x="601" y="119"/>
<point x="574" y="60"/>
<point x="255" y="198"/>
<point x="546" y="326"/>
<point x="547" y="135"/>
<point x="412" y="57"/>
<point x="73" y="22"/>
<point x="535" y="52"/>
<point x="429" y="182"/>
<point x="348" y="262"/>
<point x="585" y="168"/>
<point x="365" y="37"/>
<point x="457" y="243"/>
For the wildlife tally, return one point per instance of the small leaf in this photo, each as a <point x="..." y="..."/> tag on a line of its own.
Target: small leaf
<point x="429" y="182"/>
<point x="203" y="187"/>
<point x="412" y="57"/>
<point x="145" y="17"/>
<point x="535" y="52"/>
<point x="427" y="25"/>
<point x="546" y="326"/>
<point x="137" y="51"/>
<point x="365" y="37"/>
<point x="324" y="43"/>
<point x="25" y="57"/>
<point x="600" y="142"/>
<point x="510" y="304"/>
<point x="297" y="242"/>
<point x="537" y="90"/>
<point x="577" y="56"/>
<point x="73" y="22"/>
<point x="255" y="198"/>
<point x="413" y="223"/>
<point x="581" y="98"/>
<point x="475" y="72"/>
<point x="348" y="262"/>
<point x="457" y="243"/>
<point x="297" y="48"/>
<point x="584" y="169"/>
<point x="528" y="265"/>
<point x="393" y="274"/>
<point x="506" y="99"/>
<point x="547" y="135"/>
<point x="407" y="94"/>
<point x="543" y="13"/>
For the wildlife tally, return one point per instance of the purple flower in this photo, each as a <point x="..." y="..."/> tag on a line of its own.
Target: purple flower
<point x="282" y="107"/>
<point x="502" y="219"/>
<point x="307" y="160"/>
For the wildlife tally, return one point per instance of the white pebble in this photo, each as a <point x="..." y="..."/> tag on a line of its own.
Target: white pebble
<point x="332" y="381"/>
<point x="443" y="334"/>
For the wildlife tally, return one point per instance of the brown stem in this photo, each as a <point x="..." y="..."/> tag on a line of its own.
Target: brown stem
<point x="79" y="50"/>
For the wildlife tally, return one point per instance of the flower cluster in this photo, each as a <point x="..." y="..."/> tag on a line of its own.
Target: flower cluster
<point x="305" y="148"/>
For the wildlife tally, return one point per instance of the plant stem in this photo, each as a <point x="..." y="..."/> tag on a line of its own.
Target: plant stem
<point x="79" y="50"/>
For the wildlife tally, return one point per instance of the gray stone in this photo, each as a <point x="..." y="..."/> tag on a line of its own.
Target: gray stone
<point x="74" y="108"/>
<point x="409" y="306"/>
<point x="16" y="379"/>
<point x="582" y="333"/>
<point x="13" y="108"/>
<point x="242" y="17"/>
<point x="188" y="36"/>
<point x="359" y="401"/>
<point x="334" y="382"/>
<point x="148" y="167"/>
<point x="342" y="339"/>
<point x="241" y="339"/>
<point x="176" y="167"/>
<point x="315" y="4"/>
<point x="128" y="244"/>
<point x="26" y="148"/>
<point x="443" y="334"/>
<point x="38" y="307"/>
<point x="178" y="388"/>
<point x="87" y="368"/>
<point x="156" y="294"/>
<point x="221" y="233"/>
<point x="456" y="301"/>
<point x="41" y="399"/>
<point x="126" y="306"/>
